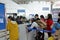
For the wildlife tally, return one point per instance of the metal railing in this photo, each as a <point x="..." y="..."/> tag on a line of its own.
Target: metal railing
<point x="4" y="34"/>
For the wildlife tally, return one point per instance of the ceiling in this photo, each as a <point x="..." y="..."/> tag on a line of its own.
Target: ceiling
<point x="27" y="1"/>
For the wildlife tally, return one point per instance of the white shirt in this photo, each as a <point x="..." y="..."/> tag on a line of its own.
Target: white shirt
<point x="34" y="24"/>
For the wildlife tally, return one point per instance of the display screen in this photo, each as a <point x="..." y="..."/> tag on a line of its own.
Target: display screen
<point x="2" y="17"/>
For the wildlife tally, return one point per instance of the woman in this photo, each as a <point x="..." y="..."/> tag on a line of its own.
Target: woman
<point x="12" y="27"/>
<point x="49" y="24"/>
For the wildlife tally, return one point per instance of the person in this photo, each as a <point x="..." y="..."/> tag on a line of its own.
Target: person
<point x="49" y="23"/>
<point x="31" y="20"/>
<point x="34" y="24"/>
<point x="12" y="27"/>
<point x="20" y="20"/>
<point x="57" y="27"/>
<point x="36" y="16"/>
<point x="14" y="16"/>
<point x="59" y="15"/>
<point x="42" y="18"/>
<point x="40" y="25"/>
<point x="32" y="33"/>
<point x="24" y="19"/>
<point x="51" y="38"/>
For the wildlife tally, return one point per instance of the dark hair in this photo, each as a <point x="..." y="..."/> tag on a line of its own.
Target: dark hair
<point x="33" y="20"/>
<point x="21" y="17"/>
<point x="59" y="14"/>
<point x="10" y="17"/>
<point x="58" y="20"/>
<point x="49" y="16"/>
<point x="42" y="16"/>
<point x="36" y="14"/>
<point x="24" y="17"/>
<point x="17" y="17"/>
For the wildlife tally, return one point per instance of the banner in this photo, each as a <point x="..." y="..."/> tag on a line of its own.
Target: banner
<point x="2" y="17"/>
<point x="21" y="12"/>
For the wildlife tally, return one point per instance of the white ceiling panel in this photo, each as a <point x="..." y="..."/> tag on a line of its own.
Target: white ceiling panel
<point x="27" y="1"/>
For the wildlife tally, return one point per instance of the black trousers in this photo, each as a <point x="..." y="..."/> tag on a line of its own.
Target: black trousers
<point x="39" y="36"/>
<point x="49" y="34"/>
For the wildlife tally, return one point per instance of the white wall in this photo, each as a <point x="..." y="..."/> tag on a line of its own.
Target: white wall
<point x="11" y="7"/>
<point x="36" y="8"/>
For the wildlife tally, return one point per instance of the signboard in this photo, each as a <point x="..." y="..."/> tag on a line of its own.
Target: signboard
<point x="2" y="17"/>
<point x="45" y="8"/>
<point x="21" y="12"/>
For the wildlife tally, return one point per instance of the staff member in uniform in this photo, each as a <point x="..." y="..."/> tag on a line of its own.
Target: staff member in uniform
<point x="12" y="27"/>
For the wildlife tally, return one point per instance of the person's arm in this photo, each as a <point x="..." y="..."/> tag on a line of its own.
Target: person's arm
<point x="43" y="22"/>
<point x="30" y="28"/>
<point x="33" y="25"/>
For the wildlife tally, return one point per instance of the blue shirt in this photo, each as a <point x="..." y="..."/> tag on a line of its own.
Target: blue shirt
<point x="57" y="25"/>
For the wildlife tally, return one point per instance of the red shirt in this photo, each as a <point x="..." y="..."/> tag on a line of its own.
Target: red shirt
<point x="49" y="24"/>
